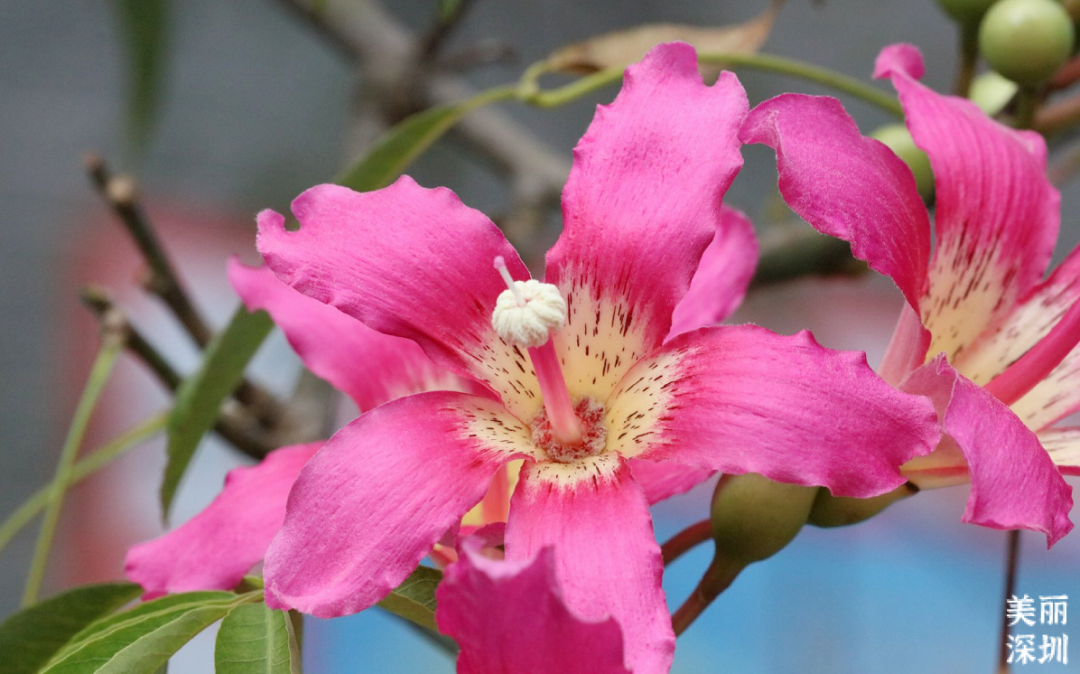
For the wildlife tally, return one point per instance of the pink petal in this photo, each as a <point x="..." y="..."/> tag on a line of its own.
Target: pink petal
<point x="606" y="557"/>
<point x="1055" y="398"/>
<point x="847" y="186"/>
<point x="641" y="206"/>
<point x="1025" y="326"/>
<point x="1063" y="446"/>
<point x="383" y="490"/>
<point x="410" y="262"/>
<point x="370" y="367"/>
<point x="996" y="216"/>
<point x="214" y="549"/>
<point x="510" y="618"/>
<point x="1014" y="484"/>
<point x="1058" y="394"/>
<point x="722" y="277"/>
<point x="660" y="480"/>
<point x="740" y="399"/>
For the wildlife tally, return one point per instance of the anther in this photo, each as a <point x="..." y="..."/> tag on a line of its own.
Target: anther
<point x="527" y="311"/>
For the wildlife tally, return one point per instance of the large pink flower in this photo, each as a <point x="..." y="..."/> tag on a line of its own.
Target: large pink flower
<point x="982" y="334"/>
<point x="641" y="205"/>
<point x="214" y="549"/>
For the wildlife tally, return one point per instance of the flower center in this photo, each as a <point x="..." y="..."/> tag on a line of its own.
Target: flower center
<point x="590" y="414"/>
<point x="525" y="315"/>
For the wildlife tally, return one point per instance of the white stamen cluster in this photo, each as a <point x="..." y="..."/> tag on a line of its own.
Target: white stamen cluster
<point x="531" y="323"/>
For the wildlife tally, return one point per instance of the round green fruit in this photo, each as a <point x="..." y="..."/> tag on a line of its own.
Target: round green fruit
<point x="1027" y="41"/>
<point x="898" y="139"/>
<point x="992" y="92"/>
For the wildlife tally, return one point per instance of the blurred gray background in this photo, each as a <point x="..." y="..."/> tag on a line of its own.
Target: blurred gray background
<point x="256" y="107"/>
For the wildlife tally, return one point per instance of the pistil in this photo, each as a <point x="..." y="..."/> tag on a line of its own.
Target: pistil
<point x="525" y="314"/>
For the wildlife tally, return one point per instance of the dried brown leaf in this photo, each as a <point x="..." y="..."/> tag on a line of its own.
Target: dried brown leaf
<point x="621" y="48"/>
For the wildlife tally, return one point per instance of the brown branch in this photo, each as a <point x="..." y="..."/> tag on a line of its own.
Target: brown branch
<point x="234" y="425"/>
<point x="1012" y="555"/>
<point x="430" y="43"/>
<point x="718" y="577"/>
<point x="686" y="540"/>
<point x="398" y="83"/>
<point x="1067" y="76"/>
<point x="120" y="193"/>
<point x="1058" y="116"/>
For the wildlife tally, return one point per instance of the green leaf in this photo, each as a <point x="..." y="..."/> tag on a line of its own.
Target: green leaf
<point x="254" y="639"/>
<point x="199" y="398"/>
<point x="144" y="29"/>
<point x="30" y="637"/>
<point x="143" y="639"/>
<point x="448" y="9"/>
<point x="408" y="139"/>
<point x="414" y="599"/>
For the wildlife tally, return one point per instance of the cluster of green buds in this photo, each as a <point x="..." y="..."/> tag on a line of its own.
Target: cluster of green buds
<point x="1027" y="41"/>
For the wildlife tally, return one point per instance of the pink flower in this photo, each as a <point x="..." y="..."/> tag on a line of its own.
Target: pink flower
<point x="610" y="391"/>
<point x="982" y="334"/>
<point x="214" y="549"/>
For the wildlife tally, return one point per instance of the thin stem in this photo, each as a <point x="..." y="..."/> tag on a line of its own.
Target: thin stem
<point x="238" y="427"/>
<point x="120" y="193"/>
<point x="99" y="302"/>
<point x="1067" y="76"/>
<point x="82" y="469"/>
<point x="1027" y="108"/>
<point x="686" y="540"/>
<point x="763" y="62"/>
<point x="112" y="344"/>
<point x="1066" y="166"/>
<point x="1058" y="116"/>
<point x="1012" y="558"/>
<point x="969" y="57"/>
<point x="718" y="577"/>
<point x="444" y="25"/>
<point x="823" y="76"/>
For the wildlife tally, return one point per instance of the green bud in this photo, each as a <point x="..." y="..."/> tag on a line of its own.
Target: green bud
<point x="898" y="139"/>
<point x="1027" y="41"/>
<point x="840" y="511"/>
<point x="966" y="11"/>
<point x="753" y="517"/>
<point x="992" y="92"/>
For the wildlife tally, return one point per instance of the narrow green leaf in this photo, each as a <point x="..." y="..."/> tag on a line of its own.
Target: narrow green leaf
<point x="144" y="29"/>
<point x="408" y="139"/>
<point x="200" y="396"/>
<point x="254" y="639"/>
<point x="448" y="9"/>
<point x="30" y="637"/>
<point x="143" y="639"/>
<point x="414" y="599"/>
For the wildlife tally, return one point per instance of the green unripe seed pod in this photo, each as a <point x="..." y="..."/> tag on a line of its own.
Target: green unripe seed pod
<point x="966" y="11"/>
<point x="753" y="517"/>
<point x="898" y="139"/>
<point x="992" y="92"/>
<point x="1027" y="41"/>
<point x="838" y="511"/>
